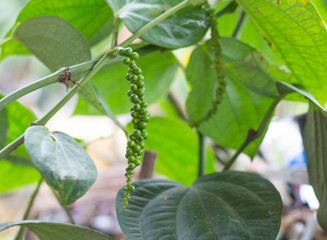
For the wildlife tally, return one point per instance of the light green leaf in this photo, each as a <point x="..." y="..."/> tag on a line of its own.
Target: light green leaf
<point x="227" y="205"/>
<point x="3" y="128"/>
<point x="92" y="18"/>
<point x="178" y="148"/>
<point x="56" y="230"/>
<point x="62" y="162"/>
<point x="321" y="7"/>
<point x="298" y="35"/>
<point x="288" y="88"/>
<point x="241" y="109"/>
<point x="159" y="70"/>
<point x="184" y="28"/>
<point x="14" y="176"/>
<point x="254" y="73"/>
<point x="314" y="141"/>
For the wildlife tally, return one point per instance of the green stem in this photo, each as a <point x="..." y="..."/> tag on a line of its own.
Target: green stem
<point x="102" y="62"/>
<point x="253" y="135"/>
<point x="154" y="22"/>
<point x="229" y="8"/>
<point x="115" y="32"/>
<point x="70" y="217"/>
<point x="239" y="24"/>
<point x="5" y="41"/>
<point x="202" y="154"/>
<point x="28" y="210"/>
<point x="11" y="147"/>
<point x="50" y="79"/>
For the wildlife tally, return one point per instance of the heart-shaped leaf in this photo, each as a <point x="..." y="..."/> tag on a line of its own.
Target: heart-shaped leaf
<point x="55" y="230"/>
<point x="184" y="28"/>
<point x="227" y="205"/>
<point x="62" y="162"/>
<point x="315" y="145"/>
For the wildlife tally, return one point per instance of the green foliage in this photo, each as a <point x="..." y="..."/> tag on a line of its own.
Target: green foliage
<point x="81" y="17"/>
<point x="298" y="37"/>
<point x="276" y="50"/>
<point x="206" y="210"/>
<point x="169" y="33"/>
<point x="62" y="162"/>
<point x="315" y="133"/>
<point x="54" y="231"/>
<point x="178" y="156"/>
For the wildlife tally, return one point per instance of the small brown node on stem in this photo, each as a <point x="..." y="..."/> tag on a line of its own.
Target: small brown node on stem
<point x="33" y="124"/>
<point x="65" y="77"/>
<point x="252" y="133"/>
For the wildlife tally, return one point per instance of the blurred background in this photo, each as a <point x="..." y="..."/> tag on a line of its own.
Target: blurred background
<point x="281" y="158"/>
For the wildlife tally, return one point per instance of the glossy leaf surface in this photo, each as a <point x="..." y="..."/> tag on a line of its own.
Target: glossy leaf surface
<point x="314" y="141"/>
<point x="227" y="205"/>
<point x="55" y="230"/>
<point x="297" y="34"/>
<point x="62" y="162"/>
<point x="184" y="28"/>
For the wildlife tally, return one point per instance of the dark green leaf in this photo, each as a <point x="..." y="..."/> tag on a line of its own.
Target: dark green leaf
<point x="314" y="141"/>
<point x="283" y="88"/>
<point x="62" y="162"/>
<point x="159" y="70"/>
<point x="92" y="18"/>
<point x="184" y="28"/>
<point x="227" y="205"/>
<point x="241" y="109"/>
<point x="54" y="41"/>
<point x="56" y="230"/>
<point x="177" y="147"/>
<point x="297" y="34"/>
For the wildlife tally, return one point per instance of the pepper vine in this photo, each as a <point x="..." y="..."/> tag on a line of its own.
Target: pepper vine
<point x="210" y="14"/>
<point x="140" y="117"/>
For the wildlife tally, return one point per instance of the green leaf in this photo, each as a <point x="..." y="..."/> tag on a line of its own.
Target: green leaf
<point x="177" y="146"/>
<point x="241" y="109"/>
<point x="14" y="176"/>
<point x="227" y="205"/>
<point x="298" y="35"/>
<point x="57" y="43"/>
<point x="283" y="87"/>
<point x="92" y="18"/>
<point x="19" y="119"/>
<point x="254" y="73"/>
<point x="54" y="41"/>
<point x="321" y="7"/>
<point x="56" y="230"/>
<point x="62" y="162"/>
<point x="159" y="70"/>
<point x="3" y="128"/>
<point x="314" y="141"/>
<point x="184" y="28"/>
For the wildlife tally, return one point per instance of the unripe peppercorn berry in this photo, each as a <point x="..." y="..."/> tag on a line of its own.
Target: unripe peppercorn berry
<point x="126" y="60"/>
<point x="128" y="51"/>
<point x="140" y="116"/>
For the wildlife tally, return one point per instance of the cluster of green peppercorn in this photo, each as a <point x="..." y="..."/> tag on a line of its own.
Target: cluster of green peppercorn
<point x="140" y="115"/>
<point x="210" y="14"/>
